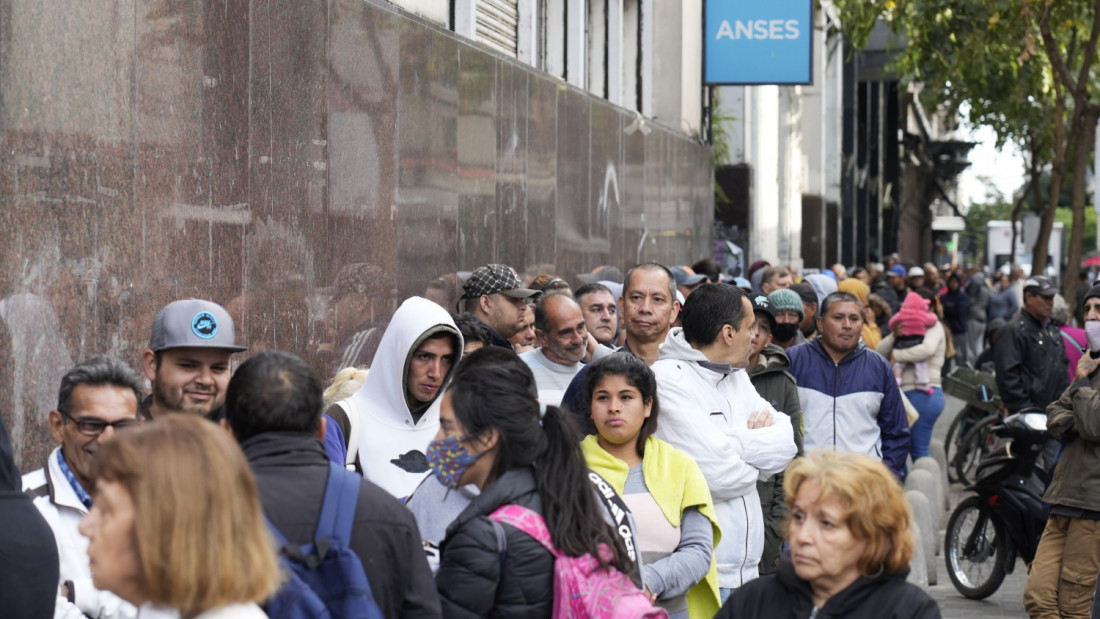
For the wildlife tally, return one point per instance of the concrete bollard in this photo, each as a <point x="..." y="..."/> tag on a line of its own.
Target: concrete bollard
<point x="923" y="480"/>
<point x="938" y="505"/>
<point x="922" y="515"/>
<point x="918" y="567"/>
<point x="939" y="454"/>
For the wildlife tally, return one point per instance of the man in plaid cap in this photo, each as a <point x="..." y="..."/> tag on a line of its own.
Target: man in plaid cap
<point x="495" y="296"/>
<point x="188" y="358"/>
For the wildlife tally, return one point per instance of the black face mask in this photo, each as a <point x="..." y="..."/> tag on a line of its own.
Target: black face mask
<point x="785" y="332"/>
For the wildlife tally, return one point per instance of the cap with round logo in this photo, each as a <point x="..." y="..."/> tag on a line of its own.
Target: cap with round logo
<point x="193" y="323"/>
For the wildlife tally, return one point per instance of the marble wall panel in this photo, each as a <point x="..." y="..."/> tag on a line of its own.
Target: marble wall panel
<point x="511" y="164"/>
<point x="427" y="205"/>
<point x="542" y="173"/>
<point x="478" y="220"/>
<point x="574" y="169"/>
<point x="251" y="152"/>
<point x="598" y="222"/>
<point x="633" y="189"/>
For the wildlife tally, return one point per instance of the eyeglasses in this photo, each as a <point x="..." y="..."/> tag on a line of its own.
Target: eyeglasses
<point x="95" y="427"/>
<point x="555" y="284"/>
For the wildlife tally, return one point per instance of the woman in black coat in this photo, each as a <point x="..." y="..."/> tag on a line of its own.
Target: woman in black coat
<point x="494" y="434"/>
<point x="848" y="529"/>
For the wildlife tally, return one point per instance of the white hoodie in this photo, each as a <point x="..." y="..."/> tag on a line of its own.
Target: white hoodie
<point x="695" y="400"/>
<point x="391" y="444"/>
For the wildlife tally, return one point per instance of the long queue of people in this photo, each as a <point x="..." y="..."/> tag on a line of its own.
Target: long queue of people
<point x="665" y="428"/>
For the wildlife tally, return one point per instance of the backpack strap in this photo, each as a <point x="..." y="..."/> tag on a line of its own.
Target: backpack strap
<point x="338" y="507"/>
<point x="1069" y="339"/>
<point x="526" y="520"/>
<point x="619" y="513"/>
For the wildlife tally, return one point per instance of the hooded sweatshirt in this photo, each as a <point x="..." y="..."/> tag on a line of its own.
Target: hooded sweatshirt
<point x="392" y="440"/>
<point x="705" y="408"/>
<point x="823" y="285"/>
<point x="913" y="318"/>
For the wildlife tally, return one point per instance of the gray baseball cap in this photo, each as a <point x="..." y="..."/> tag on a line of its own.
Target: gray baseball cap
<point x="193" y="323"/>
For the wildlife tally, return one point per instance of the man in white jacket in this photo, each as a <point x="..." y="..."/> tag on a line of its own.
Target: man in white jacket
<point x="96" y="398"/>
<point x="710" y="410"/>
<point x="388" y="423"/>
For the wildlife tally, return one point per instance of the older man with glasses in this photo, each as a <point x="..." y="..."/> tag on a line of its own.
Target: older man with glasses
<point x="97" y="398"/>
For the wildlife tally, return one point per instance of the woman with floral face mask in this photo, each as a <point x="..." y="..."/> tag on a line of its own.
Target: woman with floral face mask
<point x="495" y="435"/>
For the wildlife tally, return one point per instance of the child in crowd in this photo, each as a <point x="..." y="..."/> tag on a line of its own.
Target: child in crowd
<point x="662" y="486"/>
<point x="909" y="326"/>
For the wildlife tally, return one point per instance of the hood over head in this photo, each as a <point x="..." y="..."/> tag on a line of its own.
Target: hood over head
<point x="914" y="302"/>
<point x="823" y="285"/>
<point x="855" y="288"/>
<point x="384" y="389"/>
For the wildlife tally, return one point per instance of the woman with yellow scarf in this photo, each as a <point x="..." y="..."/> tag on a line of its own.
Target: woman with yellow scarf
<point x="663" y="487"/>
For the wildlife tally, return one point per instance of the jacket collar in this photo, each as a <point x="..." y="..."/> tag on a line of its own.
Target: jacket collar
<point x="771" y="360"/>
<point x="843" y="602"/>
<point x="283" y="448"/>
<point x="504" y="491"/>
<point x="61" y="493"/>
<point x="676" y="346"/>
<point x="816" y="345"/>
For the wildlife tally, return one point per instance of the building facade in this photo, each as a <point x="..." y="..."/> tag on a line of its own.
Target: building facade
<point x="245" y="152"/>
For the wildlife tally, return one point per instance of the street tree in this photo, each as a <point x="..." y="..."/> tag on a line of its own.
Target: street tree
<point x="1026" y="68"/>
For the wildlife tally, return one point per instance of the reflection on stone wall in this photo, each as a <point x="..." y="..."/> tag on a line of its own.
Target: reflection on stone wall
<point x="245" y="151"/>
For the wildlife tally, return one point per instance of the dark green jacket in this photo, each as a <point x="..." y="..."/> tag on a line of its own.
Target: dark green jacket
<point x="776" y="385"/>
<point x="1074" y="420"/>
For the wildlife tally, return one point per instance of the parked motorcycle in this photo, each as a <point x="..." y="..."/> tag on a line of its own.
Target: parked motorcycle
<point x="1006" y="516"/>
<point x="968" y="436"/>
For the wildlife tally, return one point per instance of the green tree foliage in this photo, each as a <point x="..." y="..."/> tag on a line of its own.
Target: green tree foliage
<point x="1026" y="68"/>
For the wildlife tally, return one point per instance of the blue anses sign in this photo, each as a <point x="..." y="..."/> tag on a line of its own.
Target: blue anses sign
<point x="758" y="41"/>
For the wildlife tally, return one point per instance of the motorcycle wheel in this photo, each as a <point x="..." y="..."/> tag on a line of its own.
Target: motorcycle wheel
<point x="974" y="447"/>
<point x="956" y="432"/>
<point x="974" y="548"/>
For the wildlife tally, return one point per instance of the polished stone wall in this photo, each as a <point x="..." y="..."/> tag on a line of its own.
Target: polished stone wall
<point x="245" y="151"/>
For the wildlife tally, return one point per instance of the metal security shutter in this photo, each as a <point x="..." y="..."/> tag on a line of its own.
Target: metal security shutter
<point x="496" y="25"/>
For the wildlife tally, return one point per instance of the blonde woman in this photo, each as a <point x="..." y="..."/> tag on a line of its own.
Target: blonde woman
<point x="176" y="527"/>
<point x="850" y="538"/>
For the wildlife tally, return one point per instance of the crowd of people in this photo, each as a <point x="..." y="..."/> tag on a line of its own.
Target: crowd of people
<point x="733" y="446"/>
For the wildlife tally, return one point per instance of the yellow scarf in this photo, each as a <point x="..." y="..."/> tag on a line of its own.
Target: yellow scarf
<point x="675" y="483"/>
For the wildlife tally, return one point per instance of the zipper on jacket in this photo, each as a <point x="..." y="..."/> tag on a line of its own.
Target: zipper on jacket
<point x="836" y="372"/>
<point x="744" y="555"/>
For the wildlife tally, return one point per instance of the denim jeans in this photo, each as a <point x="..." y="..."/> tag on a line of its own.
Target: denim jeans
<point x="929" y="405"/>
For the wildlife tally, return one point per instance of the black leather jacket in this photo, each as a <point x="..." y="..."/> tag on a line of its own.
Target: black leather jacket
<point x="1031" y="364"/>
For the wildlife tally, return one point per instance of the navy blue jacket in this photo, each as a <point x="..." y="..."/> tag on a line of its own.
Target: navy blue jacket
<point x="852" y="406"/>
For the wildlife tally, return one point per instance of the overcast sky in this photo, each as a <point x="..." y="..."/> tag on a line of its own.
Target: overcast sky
<point x="1004" y="168"/>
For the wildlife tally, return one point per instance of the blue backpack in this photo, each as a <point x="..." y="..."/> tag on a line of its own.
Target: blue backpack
<point x="326" y="579"/>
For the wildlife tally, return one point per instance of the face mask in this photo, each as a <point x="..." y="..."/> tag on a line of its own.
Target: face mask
<point x="1092" y="331"/>
<point x="785" y="332"/>
<point x="449" y="459"/>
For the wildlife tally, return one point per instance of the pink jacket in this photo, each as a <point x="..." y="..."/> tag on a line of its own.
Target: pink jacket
<point x="913" y="317"/>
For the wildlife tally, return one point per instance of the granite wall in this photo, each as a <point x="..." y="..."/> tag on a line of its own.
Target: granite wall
<point x="245" y="151"/>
